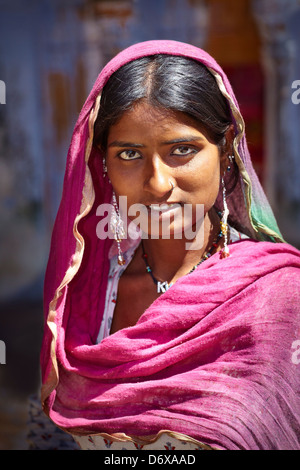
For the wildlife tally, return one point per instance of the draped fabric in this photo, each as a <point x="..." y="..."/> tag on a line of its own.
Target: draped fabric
<point x="211" y="358"/>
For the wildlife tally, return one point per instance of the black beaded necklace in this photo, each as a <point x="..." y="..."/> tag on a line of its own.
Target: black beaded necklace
<point x="163" y="286"/>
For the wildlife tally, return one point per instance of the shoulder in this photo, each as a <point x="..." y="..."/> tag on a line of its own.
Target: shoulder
<point x="277" y="254"/>
<point x="273" y="270"/>
<point x="261" y="272"/>
<point x="267" y="260"/>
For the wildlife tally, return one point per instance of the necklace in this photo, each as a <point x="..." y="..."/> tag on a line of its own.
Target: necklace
<point x="163" y="286"/>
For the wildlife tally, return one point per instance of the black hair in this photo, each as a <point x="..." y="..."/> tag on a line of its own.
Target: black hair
<point x="173" y="82"/>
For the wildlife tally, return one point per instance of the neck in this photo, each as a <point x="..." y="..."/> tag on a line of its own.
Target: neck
<point x="170" y="259"/>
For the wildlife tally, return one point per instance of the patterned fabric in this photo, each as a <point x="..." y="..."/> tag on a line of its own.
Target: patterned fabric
<point x="164" y="442"/>
<point x="43" y="434"/>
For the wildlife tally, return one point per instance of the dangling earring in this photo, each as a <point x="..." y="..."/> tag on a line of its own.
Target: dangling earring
<point x="104" y="168"/>
<point x="224" y="225"/>
<point x="117" y="227"/>
<point x="231" y="160"/>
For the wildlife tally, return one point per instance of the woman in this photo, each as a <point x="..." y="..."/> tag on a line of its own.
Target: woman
<point x="181" y="341"/>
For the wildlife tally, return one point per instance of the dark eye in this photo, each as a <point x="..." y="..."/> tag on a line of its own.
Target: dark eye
<point x="183" y="151"/>
<point x="129" y="155"/>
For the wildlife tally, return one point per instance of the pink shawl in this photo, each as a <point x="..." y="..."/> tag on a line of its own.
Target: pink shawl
<point x="214" y="357"/>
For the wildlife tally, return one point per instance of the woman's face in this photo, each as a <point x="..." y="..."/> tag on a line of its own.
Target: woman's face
<point x="149" y="151"/>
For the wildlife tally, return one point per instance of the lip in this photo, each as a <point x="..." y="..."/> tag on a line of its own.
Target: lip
<point x="163" y="207"/>
<point x="158" y="210"/>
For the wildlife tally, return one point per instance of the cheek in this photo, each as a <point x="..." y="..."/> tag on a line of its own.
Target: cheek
<point x="119" y="181"/>
<point x="125" y="187"/>
<point x="204" y="181"/>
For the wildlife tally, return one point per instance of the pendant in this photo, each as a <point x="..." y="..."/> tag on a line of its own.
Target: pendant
<point x="163" y="286"/>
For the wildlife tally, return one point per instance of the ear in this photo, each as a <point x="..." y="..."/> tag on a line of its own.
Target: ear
<point x="226" y="149"/>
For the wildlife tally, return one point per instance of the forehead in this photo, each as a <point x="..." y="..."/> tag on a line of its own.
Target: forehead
<point x="146" y="120"/>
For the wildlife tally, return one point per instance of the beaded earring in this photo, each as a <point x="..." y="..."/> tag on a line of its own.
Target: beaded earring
<point x="117" y="227"/>
<point x="231" y="160"/>
<point x="104" y="167"/>
<point x="224" y="225"/>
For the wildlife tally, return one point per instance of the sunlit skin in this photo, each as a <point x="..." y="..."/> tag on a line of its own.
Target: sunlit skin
<point x="147" y="150"/>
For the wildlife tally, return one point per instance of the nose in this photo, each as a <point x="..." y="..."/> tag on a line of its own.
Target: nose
<point x="158" y="180"/>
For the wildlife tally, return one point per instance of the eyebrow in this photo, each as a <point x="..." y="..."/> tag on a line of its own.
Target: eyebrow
<point x="118" y="143"/>
<point x="180" y="140"/>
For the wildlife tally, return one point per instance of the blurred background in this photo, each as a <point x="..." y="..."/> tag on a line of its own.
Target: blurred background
<point x="51" y="52"/>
